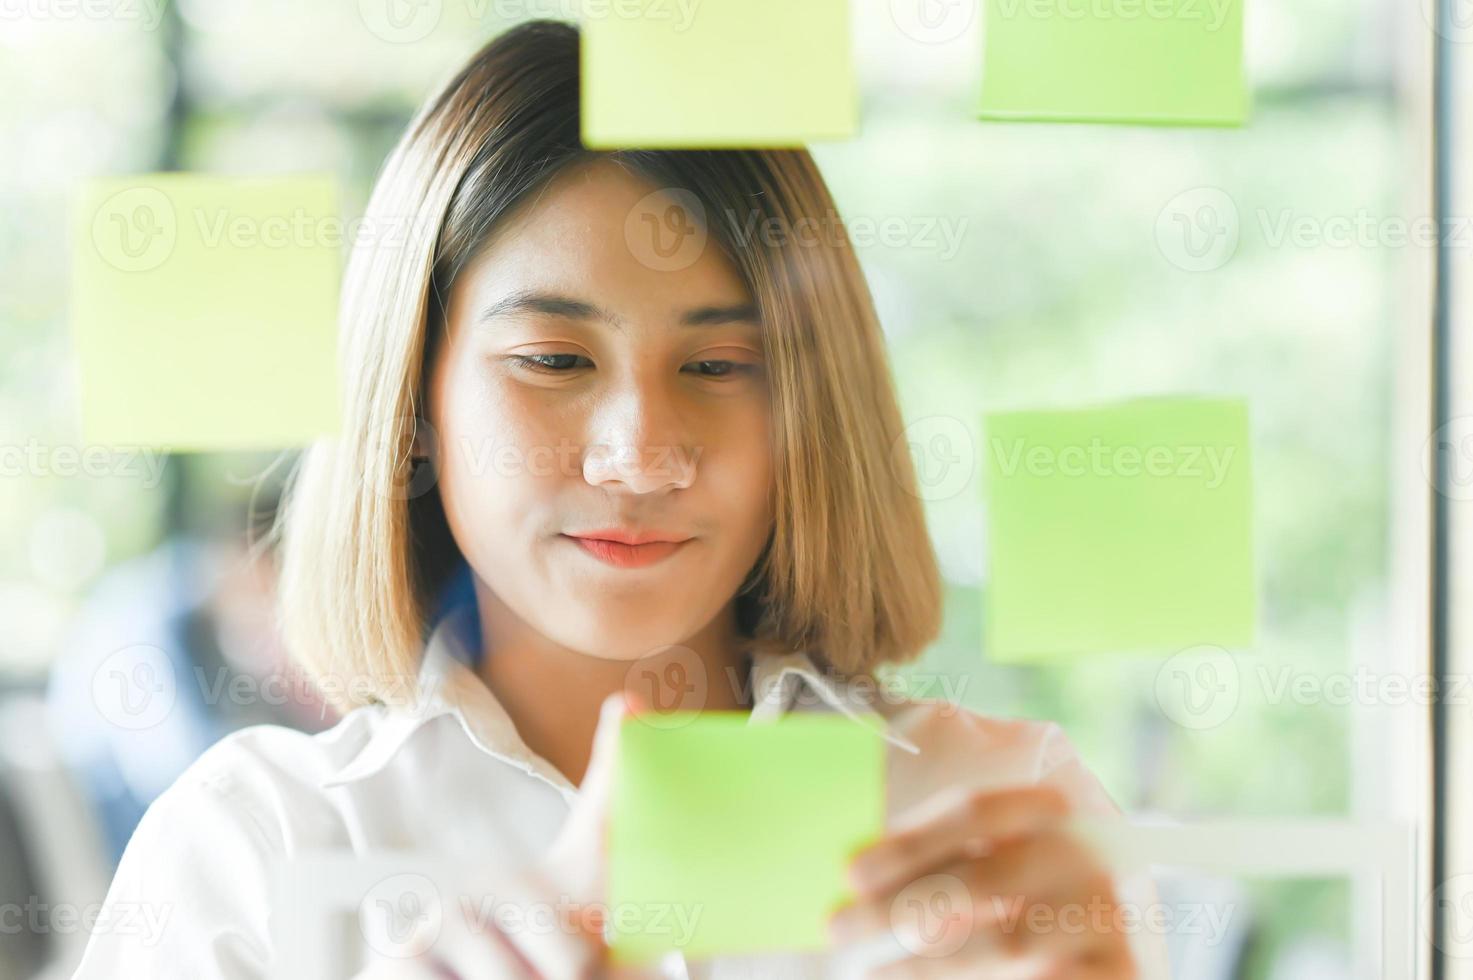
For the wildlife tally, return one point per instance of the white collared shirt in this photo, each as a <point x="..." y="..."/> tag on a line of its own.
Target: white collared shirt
<point x="192" y="895"/>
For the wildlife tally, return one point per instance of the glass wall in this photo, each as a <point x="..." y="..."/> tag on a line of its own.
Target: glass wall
<point x="1014" y="266"/>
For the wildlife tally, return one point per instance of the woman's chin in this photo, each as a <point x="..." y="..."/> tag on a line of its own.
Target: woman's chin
<point x="619" y="636"/>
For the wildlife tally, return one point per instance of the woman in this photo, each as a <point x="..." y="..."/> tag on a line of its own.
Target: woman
<point x="600" y="450"/>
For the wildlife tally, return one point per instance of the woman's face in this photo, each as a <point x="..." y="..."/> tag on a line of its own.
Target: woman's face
<point x="584" y="394"/>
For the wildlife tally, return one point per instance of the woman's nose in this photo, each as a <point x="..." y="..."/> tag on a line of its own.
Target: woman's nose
<point x="640" y="444"/>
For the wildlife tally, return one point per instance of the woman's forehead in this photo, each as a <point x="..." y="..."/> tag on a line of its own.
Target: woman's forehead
<point x="590" y="236"/>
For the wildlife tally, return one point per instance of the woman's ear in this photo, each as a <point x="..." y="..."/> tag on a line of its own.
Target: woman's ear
<point x="423" y="445"/>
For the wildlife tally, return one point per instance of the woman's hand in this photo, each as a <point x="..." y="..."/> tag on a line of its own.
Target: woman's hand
<point x="971" y="881"/>
<point x="561" y="935"/>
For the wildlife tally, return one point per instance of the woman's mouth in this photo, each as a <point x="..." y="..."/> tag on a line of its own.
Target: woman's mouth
<point x="623" y="555"/>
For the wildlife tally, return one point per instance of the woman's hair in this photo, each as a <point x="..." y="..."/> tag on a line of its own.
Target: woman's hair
<point x="848" y="574"/>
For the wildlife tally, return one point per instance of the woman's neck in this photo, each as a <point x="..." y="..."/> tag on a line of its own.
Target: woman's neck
<point x="553" y="694"/>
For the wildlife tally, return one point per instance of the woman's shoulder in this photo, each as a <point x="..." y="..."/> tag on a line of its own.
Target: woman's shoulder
<point x="278" y="755"/>
<point x="192" y="891"/>
<point x="255" y="783"/>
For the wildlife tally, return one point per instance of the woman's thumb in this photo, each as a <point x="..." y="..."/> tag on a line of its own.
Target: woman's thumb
<point x="598" y="778"/>
<point x="576" y="857"/>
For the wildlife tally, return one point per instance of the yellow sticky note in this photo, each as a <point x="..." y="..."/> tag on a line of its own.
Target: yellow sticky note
<point x="729" y="837"/>
<point x="1176" y="62"/>
<point x="717" y="73"/>
<point x="204" y="310"/>
<point x="1121" y="528"/>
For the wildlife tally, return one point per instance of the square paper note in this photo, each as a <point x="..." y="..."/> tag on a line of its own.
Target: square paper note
<point x="729" y="837"/>
<point x="1125" y="528"/>
<point x="717" y="73"/>
<point x="1133" y="61"/>
<point x="204" y="310"/>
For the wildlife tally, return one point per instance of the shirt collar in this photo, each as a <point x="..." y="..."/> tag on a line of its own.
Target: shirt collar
<point x="448" y="685"/>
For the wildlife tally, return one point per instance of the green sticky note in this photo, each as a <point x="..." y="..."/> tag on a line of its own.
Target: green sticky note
<point x="1123" y="528"/>
<point x="204" y="310"/>
<point x="1133" y="61"/>
<point x="729" y="837"/>
<point x="717" y="74"/>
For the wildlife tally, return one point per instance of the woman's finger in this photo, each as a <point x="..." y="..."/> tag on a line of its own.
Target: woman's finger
<point x="1000" y="967"/>
<point x="983" y="956"/>
<point x="575" y="860"/>
<point x="1046" y="895"/>
<point x="954" y="826"/>
<point x="550" y="935"/>
<point x="1022" y="884"/>
<point x="471" y="949"/>
<point x="968" y="963"/>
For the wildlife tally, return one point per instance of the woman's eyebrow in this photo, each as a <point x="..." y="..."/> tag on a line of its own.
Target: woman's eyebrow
<point x="551" y="304"/>
<point x="547" y="304"/>
<point x="711" y="316"/>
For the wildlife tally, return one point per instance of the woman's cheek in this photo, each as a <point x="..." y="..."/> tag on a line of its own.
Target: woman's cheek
<point x="739" y="469"/>
<point x="497" y="425"/>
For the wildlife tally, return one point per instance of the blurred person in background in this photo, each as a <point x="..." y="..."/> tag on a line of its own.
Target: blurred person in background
<point x="171" y="651"/>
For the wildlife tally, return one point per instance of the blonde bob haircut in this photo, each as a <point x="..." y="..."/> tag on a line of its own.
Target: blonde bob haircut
<point x="847" y="575"/>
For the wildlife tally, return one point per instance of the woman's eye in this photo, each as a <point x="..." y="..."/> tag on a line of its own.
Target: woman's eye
<point x="549" y="362"/>
<point x="721" y="369"/>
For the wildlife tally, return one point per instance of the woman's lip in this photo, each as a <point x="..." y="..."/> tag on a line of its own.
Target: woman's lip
<point x="622" y="536"/>
<point x="627" y="555"/>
